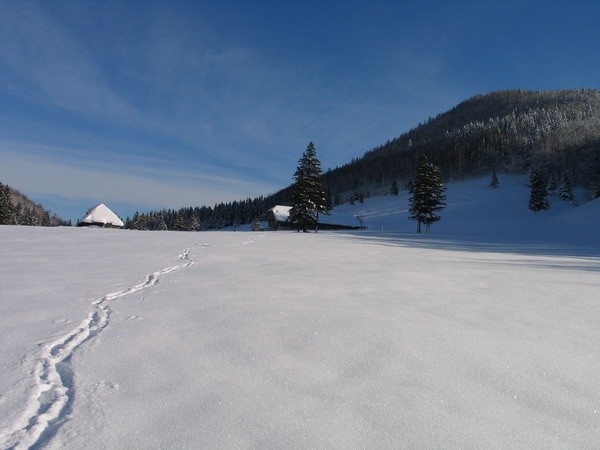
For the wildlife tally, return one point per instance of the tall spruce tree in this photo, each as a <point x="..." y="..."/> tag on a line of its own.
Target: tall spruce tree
<point x="308" y="196"/>
<point x="428" y="197"/>
<point x="538" y="199"/>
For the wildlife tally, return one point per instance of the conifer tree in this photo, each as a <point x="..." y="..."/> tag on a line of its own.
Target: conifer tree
<point x="337" y="199"/>
<point x="494" y="181"/>
<point x="551" y="185"/>
<point x="354" y="196"/>
<point x="308" y="196"/>
<point x="181" y="222"/>
<point x="255" y="224"/>
<point x="538" y="199"/>
<point x="6" y="206"/>
<point x="18" y="214"/>
<point x="428" y="197"/>
<point x="161" y="225"/>
<point x="566" y="189"/>
<point x="138" y="222"/>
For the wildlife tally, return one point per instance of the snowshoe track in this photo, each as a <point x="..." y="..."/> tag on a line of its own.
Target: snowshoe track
<point x="49" y="401"/>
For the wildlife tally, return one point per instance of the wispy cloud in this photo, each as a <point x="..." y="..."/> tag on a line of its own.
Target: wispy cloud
<point x="53" y="67"/>
<point x="140" y="184"/>
<point x="176" y="78"/>
<point x="197" y="102"/>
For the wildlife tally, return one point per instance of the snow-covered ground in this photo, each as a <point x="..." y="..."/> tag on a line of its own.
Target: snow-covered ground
<point x="484" y="334"/>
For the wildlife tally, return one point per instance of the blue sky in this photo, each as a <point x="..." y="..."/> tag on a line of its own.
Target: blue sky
<point x="161" y="104"/>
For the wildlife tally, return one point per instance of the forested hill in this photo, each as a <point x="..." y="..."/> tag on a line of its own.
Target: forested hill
<point x="557" y="132"/>
<point x="18" y="209"/>
<point x="509" y="131"/>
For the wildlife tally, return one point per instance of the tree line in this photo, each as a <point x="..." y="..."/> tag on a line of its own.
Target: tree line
<point x="222" y="215"/>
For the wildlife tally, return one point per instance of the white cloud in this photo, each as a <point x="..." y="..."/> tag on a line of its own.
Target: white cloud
<point x="147" y="187"/>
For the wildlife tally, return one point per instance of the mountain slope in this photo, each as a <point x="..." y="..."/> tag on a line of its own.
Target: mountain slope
<point x="474" y="211"/>
<point x="509" y="131"/>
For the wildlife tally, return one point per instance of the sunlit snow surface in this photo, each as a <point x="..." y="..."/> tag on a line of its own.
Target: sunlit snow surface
<point x="484" y="334"/>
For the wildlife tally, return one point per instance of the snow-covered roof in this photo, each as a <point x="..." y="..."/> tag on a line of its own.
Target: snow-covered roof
<point x="282" y="214"/>
<point x="101" y="215"/>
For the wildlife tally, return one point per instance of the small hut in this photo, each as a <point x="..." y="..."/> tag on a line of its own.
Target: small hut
<point x="278" y="217"/>
<point x="100" y="216"/>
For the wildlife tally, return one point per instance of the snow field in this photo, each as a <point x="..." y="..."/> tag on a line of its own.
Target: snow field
<point x="292" y="340"/>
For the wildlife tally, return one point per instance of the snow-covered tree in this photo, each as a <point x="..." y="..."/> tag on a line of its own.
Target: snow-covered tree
<point x="565" y="191"/>
<point x="308" y="196"/>
<point x="181" y="222"/>
<point x="18" y="214"/>
<point x="138" y="222"/>
<point x="428" y="197"/>
<point x="195" y="224"/>
<point x="538" y="200"/>
<point x="6" y="206"/>
<point x="160" y="223"/>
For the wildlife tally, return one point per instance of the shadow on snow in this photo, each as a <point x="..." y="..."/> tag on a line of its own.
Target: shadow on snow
<point x="574" y="256"/>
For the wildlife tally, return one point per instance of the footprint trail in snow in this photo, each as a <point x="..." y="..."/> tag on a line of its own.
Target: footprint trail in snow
<point x="49" y="401"/>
